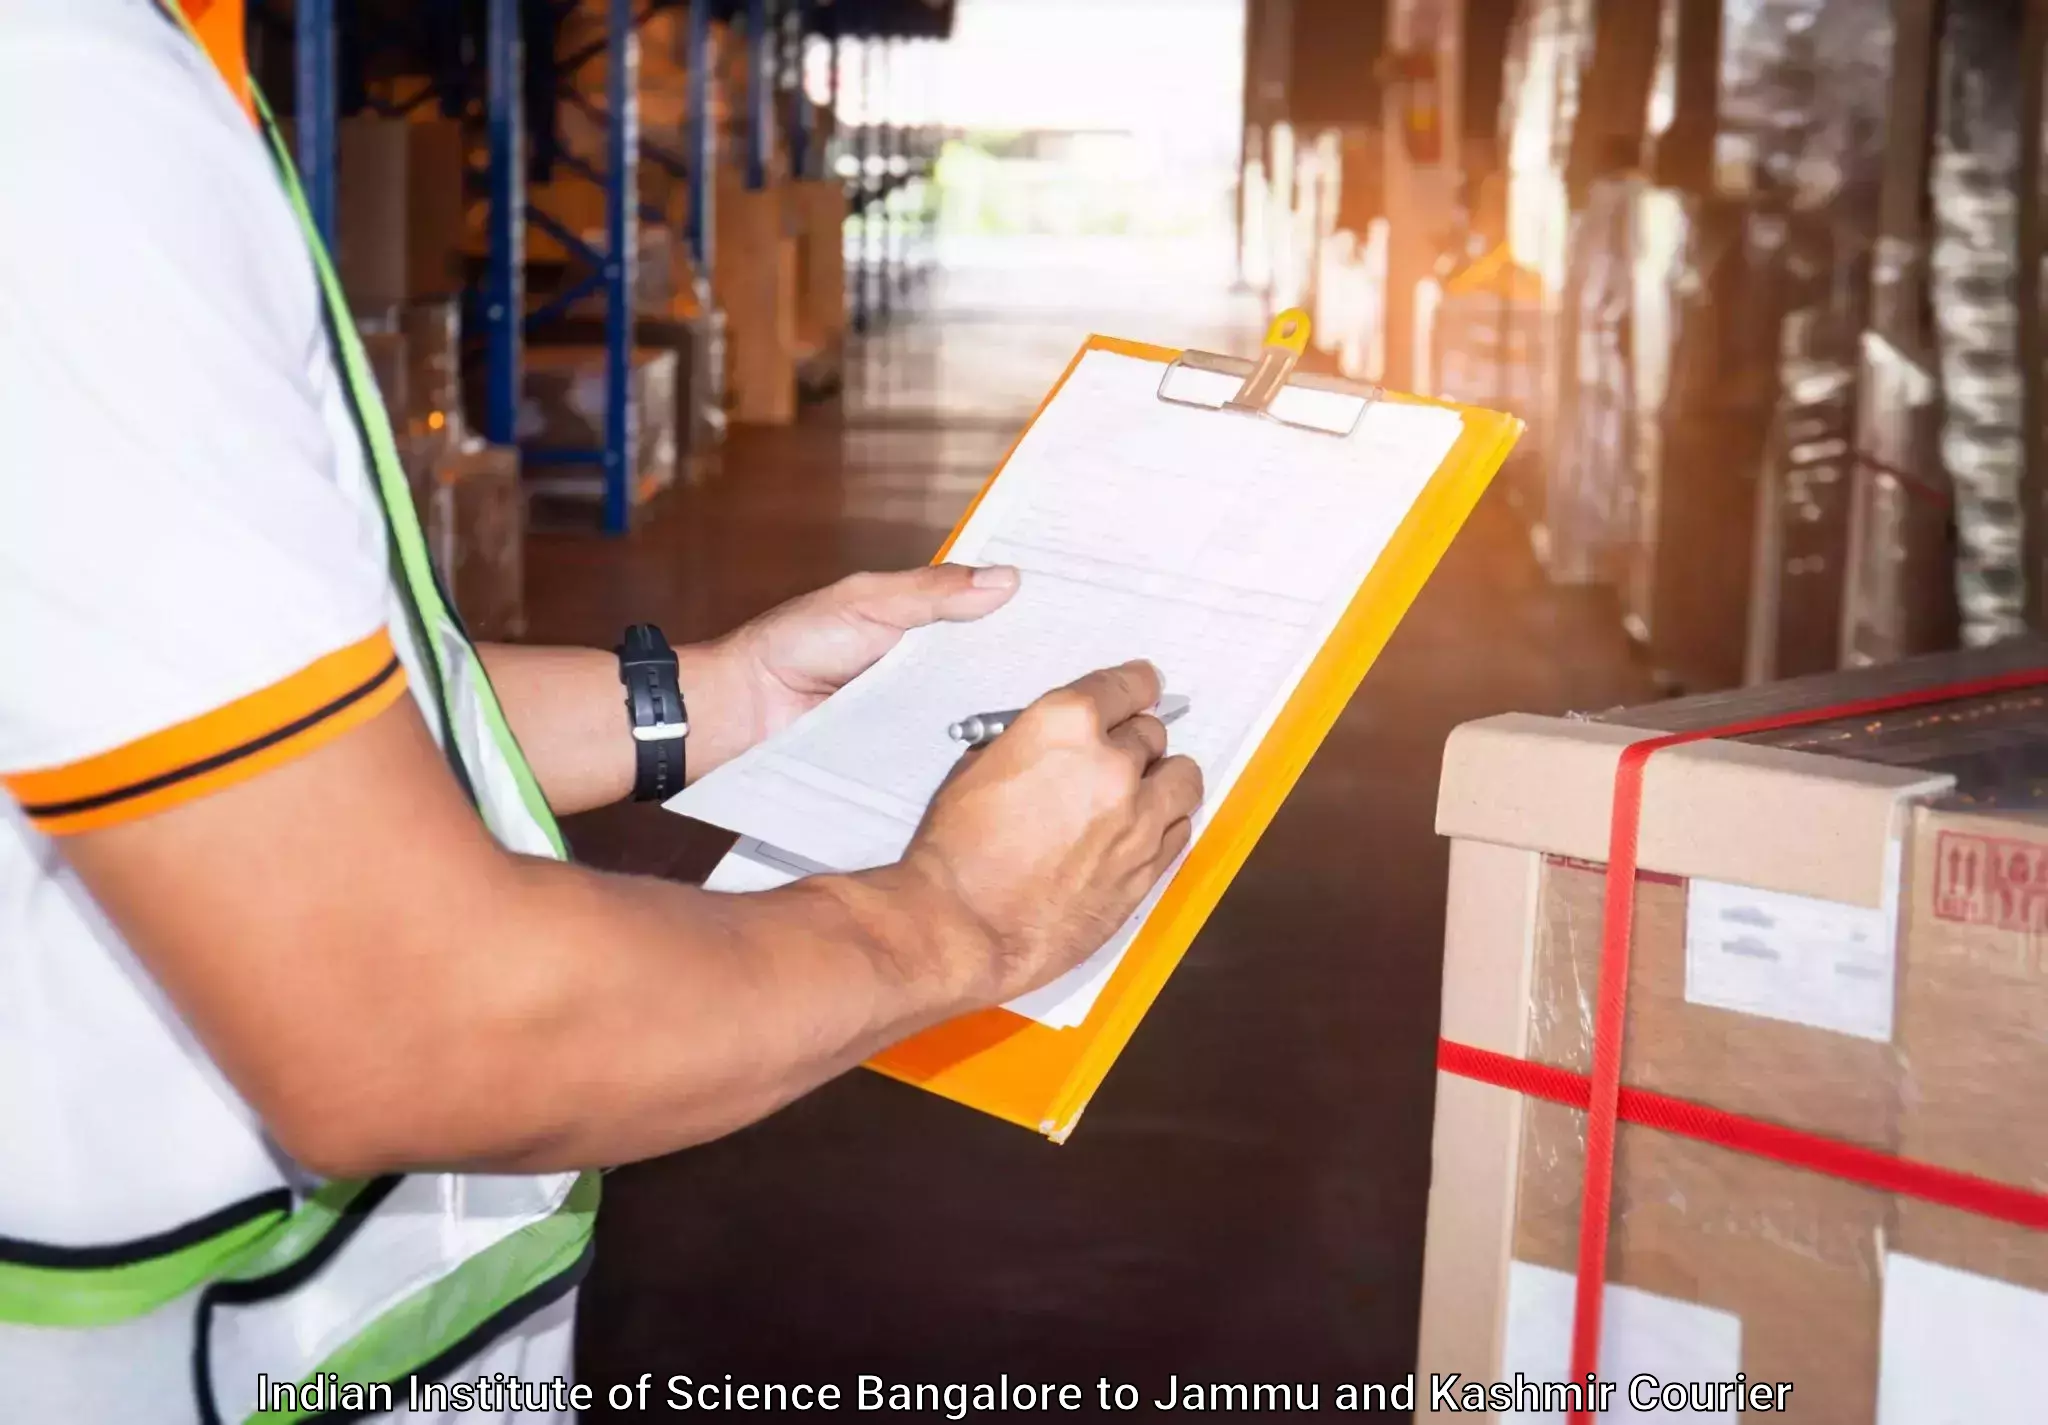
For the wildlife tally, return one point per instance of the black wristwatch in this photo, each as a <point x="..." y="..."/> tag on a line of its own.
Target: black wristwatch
<point x="654" y="707"/>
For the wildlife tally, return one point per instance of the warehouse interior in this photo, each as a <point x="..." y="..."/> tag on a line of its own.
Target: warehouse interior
<point x="682" y="309"/>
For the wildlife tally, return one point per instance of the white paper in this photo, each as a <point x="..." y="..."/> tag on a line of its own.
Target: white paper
<point x="750" y="866"/>
<point x="1958" y="1348"/>
<point x="1221" y="547"/>
<point x="1641" y="1333"/>
<point x="1797" y="958"/>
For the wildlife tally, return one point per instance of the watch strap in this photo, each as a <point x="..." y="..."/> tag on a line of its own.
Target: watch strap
<point x="656" y="715"/>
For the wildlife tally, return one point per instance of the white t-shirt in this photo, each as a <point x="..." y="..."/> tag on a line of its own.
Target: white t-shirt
<point x="194" y="587"/>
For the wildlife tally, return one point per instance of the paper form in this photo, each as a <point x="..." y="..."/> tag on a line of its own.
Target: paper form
<point x="1222" y="548"/>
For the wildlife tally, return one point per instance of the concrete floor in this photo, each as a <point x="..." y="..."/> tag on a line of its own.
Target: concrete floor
<point x="1245" y="1198"/>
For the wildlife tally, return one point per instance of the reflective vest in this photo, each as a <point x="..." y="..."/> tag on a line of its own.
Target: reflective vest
<point x="345" y="1282"/>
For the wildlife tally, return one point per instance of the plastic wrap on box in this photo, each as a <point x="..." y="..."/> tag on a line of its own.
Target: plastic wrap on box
<point x="1994" y="745"/>
<point x="1803" y="526"/>
<point x="1688" y="582"/>
<point x="1661" y="227"/>
<point x="1794" y="1258"/>
<point x="1750" y="301"/>
<point x="700" y="391"/>
<point x="562" y="406"/>
<point x="433" y="348"/>
<point x="1480" y="335"/>
<point x="1899" y="594"/>
<point x="1899" y="597"/>
<point x="1975" y="287"/>
<point x="1548" y="47"/>
<point x="1812" y="84"/>
<point x="1589" y="509"/>
<point x="475" y="523"/>
<point x="1803" y="95"/>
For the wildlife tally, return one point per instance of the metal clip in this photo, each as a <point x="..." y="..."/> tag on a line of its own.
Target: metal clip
<point x="1285" y="341"/>
<point x="1333" y="407"/>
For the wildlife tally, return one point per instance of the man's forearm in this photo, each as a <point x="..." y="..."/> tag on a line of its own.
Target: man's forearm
<point x="568" y="710"/>
<point x="392" y="989"/>
<point x="634" y="1016"/>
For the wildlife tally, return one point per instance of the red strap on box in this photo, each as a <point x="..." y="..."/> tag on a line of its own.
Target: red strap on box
<point x="1851" y="1162"/>
<point x="1603" y="1093"/>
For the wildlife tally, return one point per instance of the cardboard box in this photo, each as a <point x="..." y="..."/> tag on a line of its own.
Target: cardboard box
<point x="1973" y="1007"/>
<point x="476" y="528"/>
<point x="436" y="207"/>
<point x="820" y="205"/>
<point x="433" y="347"/>
<point x="562" y="405"/>
<point x="1808" y="951"/>
<point x="371" y="222"/>
<point x="755" y="277"/>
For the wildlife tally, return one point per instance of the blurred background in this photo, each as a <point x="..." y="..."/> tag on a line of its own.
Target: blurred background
<point x="687" y="308"/>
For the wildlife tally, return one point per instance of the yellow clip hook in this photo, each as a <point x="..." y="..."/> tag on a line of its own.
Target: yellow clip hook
<point x="1290" y="330"/>
<point x="1286" y="339"/>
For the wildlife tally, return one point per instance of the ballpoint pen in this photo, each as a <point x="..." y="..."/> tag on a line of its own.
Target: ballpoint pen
<point x="985" y="727"/>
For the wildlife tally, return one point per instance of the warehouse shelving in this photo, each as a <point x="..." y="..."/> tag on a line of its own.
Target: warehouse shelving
<point x="491" y="88"/>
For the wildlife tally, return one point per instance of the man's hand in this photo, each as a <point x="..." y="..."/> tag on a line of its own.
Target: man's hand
<point x="568" y="710"/>
<point x="1050" y="836"/>
<point x="774" y="669"/>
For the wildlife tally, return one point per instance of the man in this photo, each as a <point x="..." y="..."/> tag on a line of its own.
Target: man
<point x="307" y="1035"/>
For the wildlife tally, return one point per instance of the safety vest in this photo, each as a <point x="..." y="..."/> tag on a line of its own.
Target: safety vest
<point x="346" y="1283"/>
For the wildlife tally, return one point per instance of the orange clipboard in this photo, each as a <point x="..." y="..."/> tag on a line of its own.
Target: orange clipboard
<point x="1041" y="1078"/>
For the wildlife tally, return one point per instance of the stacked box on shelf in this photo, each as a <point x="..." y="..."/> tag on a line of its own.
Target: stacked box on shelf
<point x="1550" y="46"/>
<point x="1806" y="102"/>
<point x="662" y="90"/>
<point x="692" y="330"/>
<point x="1899" y="594"/>
<point x="819" y="207"/>
<point x="562" y="409"/>
<point x="1839" y="930"/>
<point x="1976" y="283"/>
<point x="399" y="209"/>
<point x="755" y="278"/>
<point x="1752" y="260"/>
<point x="1588" y="512"/>
<point x="1480" y="331"/>
<point x="1587" y="507"/>
<point x="474" y="517"/>
<point x="371" y="237"/>
<point x="1704" y="390"/>
<point x="472" y="508"/>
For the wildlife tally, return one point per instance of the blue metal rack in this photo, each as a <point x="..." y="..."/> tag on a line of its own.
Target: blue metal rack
<point x="499" y="305"/>
<point x="503" y="298"/>
<point x="313" y="46"/>
<point x="775" y="33"/>
<point x="610" y="264"/>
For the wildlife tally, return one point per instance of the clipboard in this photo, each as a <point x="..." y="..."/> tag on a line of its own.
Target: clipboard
<point x="1042" y="1078"/>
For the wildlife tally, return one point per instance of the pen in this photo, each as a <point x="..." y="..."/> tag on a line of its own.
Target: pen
<point x="985" y="727"/>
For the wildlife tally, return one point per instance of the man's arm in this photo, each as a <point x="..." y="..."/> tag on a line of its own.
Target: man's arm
<point x="390" y="989"/>
<point x="568" y="708"/>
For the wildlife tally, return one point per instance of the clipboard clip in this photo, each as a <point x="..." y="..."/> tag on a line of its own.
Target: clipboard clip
<point x="1266" y="388"/>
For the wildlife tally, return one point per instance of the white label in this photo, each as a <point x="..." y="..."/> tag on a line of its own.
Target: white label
<point x="1641" y="1334"/>
<point x="1795" y="958"/>
<point x="1958" y="1349"/>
